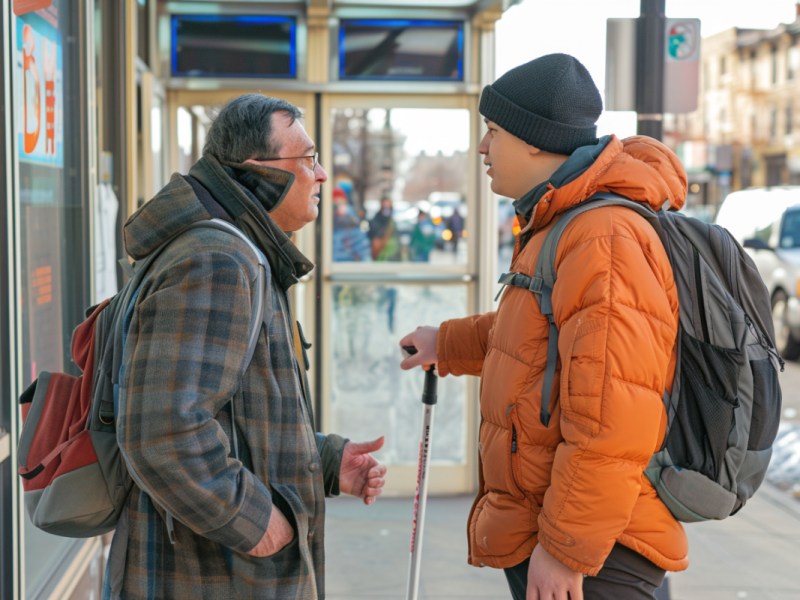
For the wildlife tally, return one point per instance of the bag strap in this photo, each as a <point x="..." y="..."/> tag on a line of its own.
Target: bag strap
<point x="544" y="278"/>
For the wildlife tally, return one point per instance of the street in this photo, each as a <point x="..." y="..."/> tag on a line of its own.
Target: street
<point x="790" y="386"/>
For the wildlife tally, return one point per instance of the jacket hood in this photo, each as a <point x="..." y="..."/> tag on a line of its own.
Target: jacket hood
<point x="176" y="206"/>
<point x="639" y="167"/>
<point x="165" y="215"/>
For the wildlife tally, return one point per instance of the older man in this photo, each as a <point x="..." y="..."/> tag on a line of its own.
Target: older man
<point x="230" y="476"/>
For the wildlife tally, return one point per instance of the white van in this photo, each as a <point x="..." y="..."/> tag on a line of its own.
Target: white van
<point x="766" y="221"/>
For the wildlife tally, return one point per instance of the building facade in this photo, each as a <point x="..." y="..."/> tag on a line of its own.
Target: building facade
<point x="745" y="132"/>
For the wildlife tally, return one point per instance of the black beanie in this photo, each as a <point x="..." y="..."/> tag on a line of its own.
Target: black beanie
<point x="550" y="102"/>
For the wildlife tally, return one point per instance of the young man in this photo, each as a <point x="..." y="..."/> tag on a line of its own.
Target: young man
<point x="222" y="509"/>
<point x="565" y="508"/>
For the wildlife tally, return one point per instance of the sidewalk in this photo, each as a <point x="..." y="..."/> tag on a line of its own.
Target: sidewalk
<point x="754" y="555"/>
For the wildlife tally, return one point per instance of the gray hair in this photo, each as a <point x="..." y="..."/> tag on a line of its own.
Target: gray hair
<point x="243" y="128"/>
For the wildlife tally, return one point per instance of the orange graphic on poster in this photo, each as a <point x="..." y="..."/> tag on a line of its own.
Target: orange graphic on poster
<point x="50" y="96"/>
<point x="22" y="7"/>
<point x="31" y="109"/>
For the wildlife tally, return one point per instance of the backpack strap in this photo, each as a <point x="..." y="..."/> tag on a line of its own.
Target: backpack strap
<point x="544" y="278"/>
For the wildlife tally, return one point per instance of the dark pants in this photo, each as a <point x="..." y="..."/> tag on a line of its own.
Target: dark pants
<point x="626" y="575"/>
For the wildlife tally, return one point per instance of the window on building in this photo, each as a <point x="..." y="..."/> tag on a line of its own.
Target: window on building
<point x="788" y="119"/>
<point x="774" y="65"/>
<point x="793" y="62"/>
<point x="773" y="125"/>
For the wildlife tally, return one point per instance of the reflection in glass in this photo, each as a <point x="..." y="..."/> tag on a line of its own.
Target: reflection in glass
<point x="370" y="394"/>
<point x="400" y="185"/>
<point x="401" y="49"/>
<point x="507" y="231"/>
<point x="350" y="240"/>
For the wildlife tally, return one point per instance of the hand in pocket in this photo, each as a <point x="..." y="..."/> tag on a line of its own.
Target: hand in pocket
<point x="277" y="536"/>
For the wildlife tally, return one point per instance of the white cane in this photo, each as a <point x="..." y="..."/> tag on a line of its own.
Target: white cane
<point x="418" y="522"/>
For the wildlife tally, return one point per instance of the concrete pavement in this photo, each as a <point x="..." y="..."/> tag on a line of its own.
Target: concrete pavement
<point x="754" y="555"/>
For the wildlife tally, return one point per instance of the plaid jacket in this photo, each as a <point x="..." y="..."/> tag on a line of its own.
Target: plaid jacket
<point x="183" y="365"/>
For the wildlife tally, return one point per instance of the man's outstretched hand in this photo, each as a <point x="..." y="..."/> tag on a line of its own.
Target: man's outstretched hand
<point x="360" y="473"/>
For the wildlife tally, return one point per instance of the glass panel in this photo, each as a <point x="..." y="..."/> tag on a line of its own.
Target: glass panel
<point x="160" y="177"/>
<point x="185" y="140"/>
<point x="371" y="395"/>
<point x="507" y="230"/>
<point x="50" y="144"/>
<point x="400" y="185"/>
<point x="234" y="46"/>
<point x="400" y="49"/>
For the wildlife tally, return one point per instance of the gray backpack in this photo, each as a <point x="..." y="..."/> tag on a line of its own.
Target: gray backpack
<point x="725" y="404"/>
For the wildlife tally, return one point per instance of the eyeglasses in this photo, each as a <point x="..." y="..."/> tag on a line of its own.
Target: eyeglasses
<point x="314" y="159"/>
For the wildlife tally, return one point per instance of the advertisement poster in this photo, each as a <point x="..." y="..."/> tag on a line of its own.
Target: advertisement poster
<point x="25" y="6"/>
<point x="39" y="76"/>
<point x="39" y="125"/>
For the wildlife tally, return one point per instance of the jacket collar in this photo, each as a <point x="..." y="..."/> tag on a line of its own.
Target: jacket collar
<point x="176" y="206"/>
<point x="246" y="205"/>
<point x="639" y="167"/>
<point x="577" y="164"/>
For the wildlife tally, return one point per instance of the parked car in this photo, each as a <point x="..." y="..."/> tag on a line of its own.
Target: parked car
<point x="766" y="221"/>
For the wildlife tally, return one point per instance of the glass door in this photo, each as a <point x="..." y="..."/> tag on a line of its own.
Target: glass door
<point x="397" y="253"/>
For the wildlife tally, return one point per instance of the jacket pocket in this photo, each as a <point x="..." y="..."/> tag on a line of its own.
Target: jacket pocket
<point x="766" y="414"/>
<point x="582" y="373"/>
<point x="282" y="504"/>
<point x="704" y="416"/>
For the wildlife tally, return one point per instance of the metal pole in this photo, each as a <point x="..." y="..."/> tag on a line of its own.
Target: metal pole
<point x="418" y="523"/>
<point x="650" y="68"/>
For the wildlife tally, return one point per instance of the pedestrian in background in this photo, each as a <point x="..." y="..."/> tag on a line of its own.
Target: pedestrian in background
<point x="383" y="233"/>
<point x="563" y="506"/>
<point x="350" y="241"/>
<point x="230" y="477"/>
<point x="456" y="226"/>
<point x="423" y="238"/>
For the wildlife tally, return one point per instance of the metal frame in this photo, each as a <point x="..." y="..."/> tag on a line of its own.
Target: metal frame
<point x="449" y="478"/>
<point x="163" y="68"/>
<point x="9" y="573"/>
<point x="10" y="266"/>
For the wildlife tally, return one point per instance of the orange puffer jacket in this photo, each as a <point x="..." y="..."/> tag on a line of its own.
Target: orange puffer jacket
<point x="577" y="486"/>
